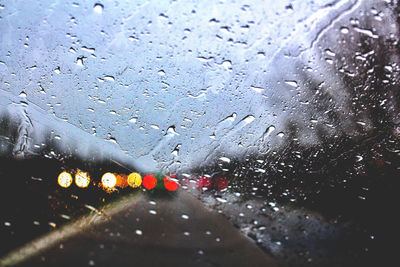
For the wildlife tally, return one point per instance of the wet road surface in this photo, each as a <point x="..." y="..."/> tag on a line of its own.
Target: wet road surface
<point x="142" y="231"/>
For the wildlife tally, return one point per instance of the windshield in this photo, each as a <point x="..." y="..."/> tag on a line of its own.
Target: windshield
<point x="198" y="132"/>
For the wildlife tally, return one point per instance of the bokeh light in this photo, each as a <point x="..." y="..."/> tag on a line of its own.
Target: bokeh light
<point x="170" y="185"/>
<point x="134" y="179"/>
<point x="221" y="183"/>
<point x="122" y="180"/>
<point x="149" y="181"/>
<point x="64" y="179"/>
<point x="109" y="180"/>
<point x="82" y="179"/>
<point x="204" y="183"/>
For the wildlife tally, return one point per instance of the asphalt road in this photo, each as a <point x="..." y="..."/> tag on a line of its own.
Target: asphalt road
<point x="138" y="230"/>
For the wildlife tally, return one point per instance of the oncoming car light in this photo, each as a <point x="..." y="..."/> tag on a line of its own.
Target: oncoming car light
<point x="109" y="180"/>
<point x="82" y="179"/>
<point x="64" y="179"/>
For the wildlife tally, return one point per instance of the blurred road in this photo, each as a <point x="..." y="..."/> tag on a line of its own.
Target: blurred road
<point x="139" y="231"/>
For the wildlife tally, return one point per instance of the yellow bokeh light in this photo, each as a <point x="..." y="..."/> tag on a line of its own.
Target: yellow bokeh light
<point x="134" y="179"/>
<point x="82" y="179"/>
<point x="109" y="180"/>
<point x="64" y="179"/>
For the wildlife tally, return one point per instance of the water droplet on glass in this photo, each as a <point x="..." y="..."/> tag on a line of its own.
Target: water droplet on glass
<point x="344" y="30"/>
<point x="139" y="232"/>
<point x="291" y="83"/>
<point x="227" y="64"/>
<point x="257" y="89"/>
<point x="98" y="8"/>
<point x="269" y="130"/>
<point x="79" y="61"/>
<point x="109" y="78"/>
<point x="221" y="200"/>
<point x="225" y="159"/>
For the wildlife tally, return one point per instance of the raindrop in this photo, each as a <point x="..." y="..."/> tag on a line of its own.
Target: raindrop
<point x="249" y="119"/>
<point x="281" y="134"/>
<point x="329" y="52"/>
<point x="98" y="8"/>
<point x="367" y="32"/>
<point x="289" y="7"/>
<point x="388" y="68"/>
<point x="227" y="64"/>
<point x="291" y="83"/>
<point x="257" y="89"/>
<point x="329" y="61"/>
<point x="213" y="21"/>
<point x="171" y="130"/>
<point x="79" y="61"/>
<point x="269" y="130"/>
<point x="221" y="200"/>
<point x="109" y="78"/>
<point x="90" y="50"/>
<point x="225" y="159"/>
<point x="344" y="30"/>
<point x="139" y="232"/>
